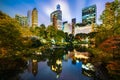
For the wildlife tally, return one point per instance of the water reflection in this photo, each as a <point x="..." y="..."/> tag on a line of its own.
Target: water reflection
<point x="10" y="68"/>
<point x="56" y="64"/>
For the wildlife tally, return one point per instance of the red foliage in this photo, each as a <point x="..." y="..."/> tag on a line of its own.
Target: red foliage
<point x="112" y="43"/>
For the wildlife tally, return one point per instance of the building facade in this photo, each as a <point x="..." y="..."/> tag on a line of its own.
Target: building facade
<point x="34" y="17"/>
<point x="67" y="28"/>
<point x="29" y="18"/>
<point x="89" y="15"/>
<point x="22" y="20"/>
<point x="85" y="29"/>
<point x="55" y="22"/>
<point x="73" y="25"/>
<point x="63" y="24"/>
<point x="58" y="14"/>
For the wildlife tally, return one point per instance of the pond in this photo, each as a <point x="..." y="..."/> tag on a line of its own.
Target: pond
<point x="54" y="63"/>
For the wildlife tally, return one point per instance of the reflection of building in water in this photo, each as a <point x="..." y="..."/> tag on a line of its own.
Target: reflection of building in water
<point x="29" y="63"/>
<point x="88" y="69"/>
<point x="56" y="66"/>
<point x="76" y="54"/>
<point x="33" y="66"/>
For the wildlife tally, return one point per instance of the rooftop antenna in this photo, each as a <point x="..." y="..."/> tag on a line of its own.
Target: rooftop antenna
<point x="58" y="5"/>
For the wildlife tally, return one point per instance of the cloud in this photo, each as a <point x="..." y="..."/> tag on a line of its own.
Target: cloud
<point x="65" y="11"/>
<point x="48" y="9"/>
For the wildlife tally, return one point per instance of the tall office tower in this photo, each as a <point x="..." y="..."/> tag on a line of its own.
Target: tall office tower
<point x="29" y="18"/>
<point x="58" y="14"/>
<point x="73" y="25"/>
<point x="89" y="15"/>
<point x="22" y="20"/>
<point x="34" y="17"/>
<point x="55" y="21"/>
<point x="65" y="22"/>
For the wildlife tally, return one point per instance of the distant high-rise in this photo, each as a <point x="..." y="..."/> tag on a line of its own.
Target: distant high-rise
<point x="89" y="15"/>
<point x="58" y="14"/>
<point x="34" y="17"/>
<point x="65" y="22"/>
<point x="22" y="20"/>
<point x="55" y="21"/>
<point x="29" y="18"/>
<point x="73" y="25"/>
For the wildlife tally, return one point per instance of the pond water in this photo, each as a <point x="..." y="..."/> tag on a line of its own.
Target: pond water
<point x="54" y="64"/>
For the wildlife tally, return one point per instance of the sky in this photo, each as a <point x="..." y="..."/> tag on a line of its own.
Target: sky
<point x="70" y="8"/>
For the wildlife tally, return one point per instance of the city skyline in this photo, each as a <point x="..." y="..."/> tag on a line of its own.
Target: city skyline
<point x="70" y="8"/>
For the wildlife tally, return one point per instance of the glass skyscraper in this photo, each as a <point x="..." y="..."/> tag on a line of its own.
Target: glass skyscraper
<point x="29" y="18"/>
<point x="58" y="14"/>
<point x="89" y="15"/>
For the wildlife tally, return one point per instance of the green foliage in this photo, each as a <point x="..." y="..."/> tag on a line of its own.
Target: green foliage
<point x="111" y="23"/>
<point x="92" y="34"/>
<point x="60" y="35"/>
<point x="51" y="32"/>
<point x="48" y="33"/>
<point x="12" y="36"/>
<point x="99" y="55"/>
<point x="82" y="35"/>
<point x="102" y="35"/>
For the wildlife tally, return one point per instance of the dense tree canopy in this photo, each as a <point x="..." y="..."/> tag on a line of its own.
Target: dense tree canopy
<point x="12" y="35"/>
<point x="111" y="22"/>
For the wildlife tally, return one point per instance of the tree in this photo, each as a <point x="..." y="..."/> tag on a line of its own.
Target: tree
<point x="111" y="25"/>
<point x="60" y="36"/>
<point x="111" y="45"/>
<point x="43" y="31"/>
<point x="12" y="36"/>
<point x="51" y="32"/>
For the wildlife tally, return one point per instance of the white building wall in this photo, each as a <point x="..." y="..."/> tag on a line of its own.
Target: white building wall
<point x="84" y="29"/>
<point x="67" y="28"/>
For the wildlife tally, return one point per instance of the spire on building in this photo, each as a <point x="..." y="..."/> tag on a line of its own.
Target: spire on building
<point x="58" y="7"/>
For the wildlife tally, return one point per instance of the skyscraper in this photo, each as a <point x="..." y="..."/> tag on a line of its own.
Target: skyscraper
<point x="21" y="19"/>
<point x="55" y="21"/>
<point x="58" y="14"/>
<point x="29" y="18"/>
<point x="89" y="15"/>
<point x="73" y="25"/>
<point x="34" y="17"/>
<point x="65" y="22"/>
